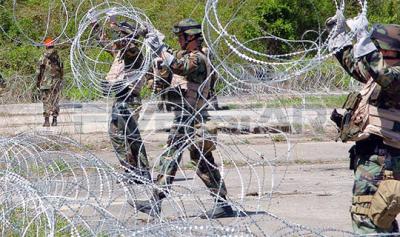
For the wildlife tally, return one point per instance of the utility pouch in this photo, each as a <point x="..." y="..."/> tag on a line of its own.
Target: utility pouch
<point x="352" y="101"/>
<point x="385" y="204"/>
<point x="348" y="130"/>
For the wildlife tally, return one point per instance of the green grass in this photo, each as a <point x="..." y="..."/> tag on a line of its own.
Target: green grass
<point x="190" y="165"/>
<point x="60" y="166"/>
<point x="331" y="101"/>
<point x="253" y="19"/>
<point x="317" y="139"/>
<point x="19" y="218"/>
<point x="278" y="138"/>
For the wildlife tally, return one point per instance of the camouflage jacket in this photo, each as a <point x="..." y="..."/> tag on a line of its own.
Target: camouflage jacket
<point x="374" y="66"/>
<point x="50" y="70"/>
<point x="124" y="48"/>
<point x="194" y="69"/>
<point x="190" y="65"/>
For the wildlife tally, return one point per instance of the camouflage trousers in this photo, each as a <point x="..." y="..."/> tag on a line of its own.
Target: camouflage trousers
<point x="50" y="99"/>
<point x="369" y="173"/>
<point x="185" y="134"/>
<point x="125" y="135"/>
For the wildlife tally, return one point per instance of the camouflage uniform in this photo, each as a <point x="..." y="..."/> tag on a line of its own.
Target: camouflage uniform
<point x="371" y="158"/>
<point x="188" y="130"/>
<point x="49" y="81"/>
<point x="125" y="135"/>
<point x="2" y="83"/>
<point x="123" y="128"/>
<point x="190" y="80"/>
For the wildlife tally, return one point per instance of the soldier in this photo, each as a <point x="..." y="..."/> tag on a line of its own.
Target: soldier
<point x="371" y="119"/>
<point x="123" y="128"/>
<point x="49" y="81"/>
<point x="188" y="130"/>
<point x="2" y="83"/>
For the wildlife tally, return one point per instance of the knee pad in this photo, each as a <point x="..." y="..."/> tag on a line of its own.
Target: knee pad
<point x="385" y="204"/>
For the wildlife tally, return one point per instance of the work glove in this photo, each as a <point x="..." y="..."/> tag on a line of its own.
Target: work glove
<point x="112" y="16"/>
<point x="336" y="25"/>
<point x="154" y="41"/>
<point x="92" y="17"/>
<point x="364" y="44"/>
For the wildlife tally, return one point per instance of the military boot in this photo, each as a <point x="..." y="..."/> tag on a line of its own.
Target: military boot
<point x="54" y="122"/>
<point x="46" y="122"/>
<point x="221" y="209"/>
<point x="151" y="207"/>
<point x="136" y="176"/>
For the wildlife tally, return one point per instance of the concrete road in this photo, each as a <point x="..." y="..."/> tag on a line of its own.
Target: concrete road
<point x="311" y="188"/>
<point x="83" y="118"/>
<point x="310" y="182"/>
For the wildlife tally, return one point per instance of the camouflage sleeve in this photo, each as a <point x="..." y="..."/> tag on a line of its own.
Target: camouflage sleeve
<point x="40" y="70"/>
<point x="349" y="63"/>
<point x="186" y="65"/>
<point x="387" y="77"/>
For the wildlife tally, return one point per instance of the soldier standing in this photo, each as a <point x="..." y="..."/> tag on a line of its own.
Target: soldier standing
<point x="2" y="83"/>
<point x="188" y="130"/>
<point x="123" y="128"/>
<point x="49" y="81"/>
<point x="371" y="119"/>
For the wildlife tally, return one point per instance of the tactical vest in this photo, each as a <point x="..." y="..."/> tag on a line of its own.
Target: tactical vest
<point x="119" y="75"/>
<point x="195" y="94"/>
<point x="367" y="118"/>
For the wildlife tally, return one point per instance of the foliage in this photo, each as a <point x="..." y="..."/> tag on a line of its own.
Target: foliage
<point x="289" y="19"/>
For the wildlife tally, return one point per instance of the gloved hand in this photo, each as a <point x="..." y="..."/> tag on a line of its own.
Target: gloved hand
<point x="155" y="41"/>
<point x="92" y="17"/>
<point x="336" y="23"/>
<point x="337" y="27"/>
<point x="167" y="57"/>
<point x="112" y="16"/>
<point x="364" y="44"/>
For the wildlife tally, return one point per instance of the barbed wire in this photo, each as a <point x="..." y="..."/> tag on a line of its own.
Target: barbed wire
<point x="52" y="186"/>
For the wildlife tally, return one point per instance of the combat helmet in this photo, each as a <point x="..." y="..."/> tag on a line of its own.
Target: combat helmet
<point x="387" y="36"/>
<point x="48" y="42"/>
<point x="188" y="26"/>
